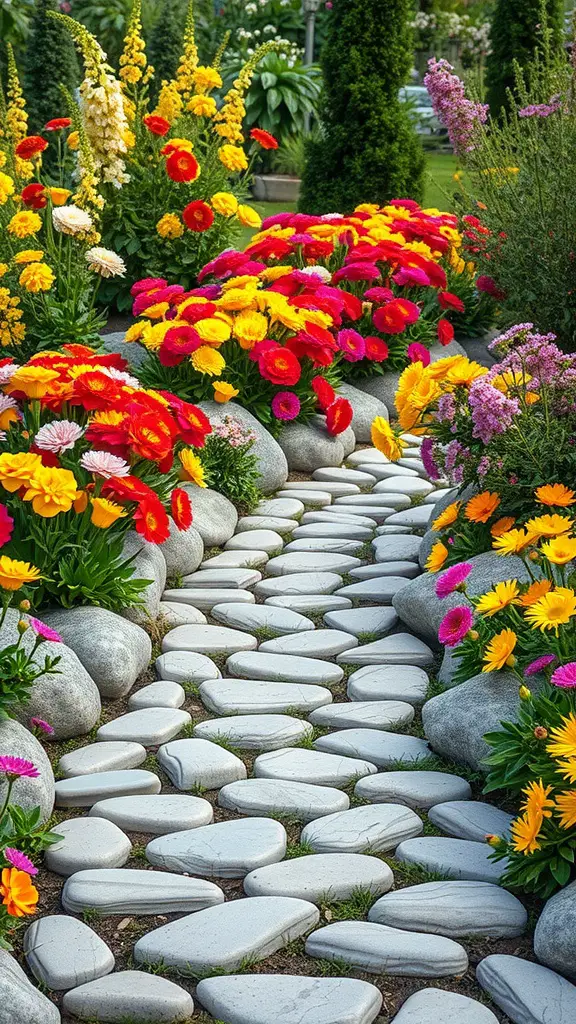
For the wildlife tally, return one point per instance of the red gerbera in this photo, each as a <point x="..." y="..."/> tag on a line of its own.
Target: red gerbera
<point x="338" y="416"/>
<point x="193" y="423"/>
<point x="264" y="139"/>
<point x="181" y="509"/>
<point x="376" y="349"/>
<point x="57" y="124"/>
<point x="33" y="195"/>
<point x="280" y="366"/>
<point x="182" y="166"/>
<point x="95" y="390"/>
<point x="156" y="125"/>
<point x="450" y="301"/>
<point x="31" y="146"/>
<point x="324" y="392"/>
<point x="198" y="216"/>
<point x="178" y="343"/>
<point x="128" y="488"/>
<point x="197" y="311"/>
<point x="445" y="332"/>
<point x="151" y="520"/>
<point x="149" y="436"/>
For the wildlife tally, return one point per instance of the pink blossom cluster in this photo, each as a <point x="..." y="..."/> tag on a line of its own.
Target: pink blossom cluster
<point x="231" y="430"/>
<point x="541" y="109"/>
<point x="459" y="115"/>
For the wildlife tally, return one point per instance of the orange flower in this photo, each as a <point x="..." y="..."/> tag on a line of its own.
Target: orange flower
<point x="481" y="507"/>
<point x="182" y="165"/>
<point x="502" y="526"/>
<point x="19" y="895"/>
<point x="534" y="593"/>
<point x="555" y="494"/>
<point x="447" y="517"/>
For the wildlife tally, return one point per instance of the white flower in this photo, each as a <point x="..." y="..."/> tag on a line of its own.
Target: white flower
<point x="58" y="436"/>
<point x="122" y="377"/>
<point x="71" y="220"/>
<point x="332" y="216"/>
<point x="7" y="371"/>
<point x="317" y="271"/>
<point x="105" y="262"/>
<point x="104" y="464"/>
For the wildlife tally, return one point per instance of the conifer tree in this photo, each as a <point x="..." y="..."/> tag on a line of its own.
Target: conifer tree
<point x="515" y="35"/>
<point x="49" y="61"/>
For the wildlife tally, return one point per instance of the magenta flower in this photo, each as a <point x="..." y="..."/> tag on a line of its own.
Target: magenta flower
<point x="455" y="625"/>
<point x="351" y="344"/>
<point x="459" y="115"/>
<point x="427" y="456"/>
<point x="418" y="353"/>
<point x="18" y="767"/>
<point x="44" y="631"/>
<point x="452" y="579"/>
<point x="19" y="860"/>
<point x="379" y="294"/>
<point x="565" y="676"/>
<point x="539" y="664"/>
<point x="285" y="405"/>
<point x="39" y="723"/>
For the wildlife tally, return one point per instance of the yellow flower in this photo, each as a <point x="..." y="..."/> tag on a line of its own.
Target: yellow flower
<point x="225" y="204"/>
<point x="235" y="299"/>
<point x="51" y="491"/>
<point x="499" y="651"/>
<point x="566" y="804"/>
<point x="481" y="507"/>
<point x="24" y="223"/>
<point x="538" y="799"/>
<point x="58" y="195"/>
<point x="249" y="328"/>
<point x="207" y="360"/>
<point x="447" y="517"/>
<point x="552" y="610"/>
<point x="567" y="769"/>
<point x="4" y="268"/>
<point x="464" y="373"/>
<point x="157" y="311"/>
<point x="555" y="494"/>
<point x="14" y="574"/>
<point x="233" y="157"/>
<point x="524" y="693"/>
<point x="549" y="525"/>
<point x="206" y="78"/>
<point x="73" y="140"/>
<point x="17" y="470"/>
<point x="33" y="381"/>
<point x="170" y="226"/>
<point x="6" y="187"/>
<point x="213" y="331"/>
<point x="535" y="591"/>
<point x="385" y="440"/>
<point x="135" y="331"/>
<point x="249" y="217"/>
<point x="275" y="273"/>
<point x="495" y="600"/>
<point x="223" y="392"/>
<point x="105" y="512"/>
<point x="202" y="106"/>
<point x="502" y="526"/>
<point x="524" y="832"/>
<point x="512" y="542"/>
<point x="192" y="468"/>
<point x="28" y="256"/>
<point x="563" y="738"/>
<point x="437" y="557"/>
<point x="37" y="277"/>
<point x="560" y="550"/>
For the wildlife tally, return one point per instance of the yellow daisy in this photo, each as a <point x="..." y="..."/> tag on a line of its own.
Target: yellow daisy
<point x="495" y="600"/>
<point x="563" y="738"/>
<point x="552" y="610"/>
<point x="499" y="651"/>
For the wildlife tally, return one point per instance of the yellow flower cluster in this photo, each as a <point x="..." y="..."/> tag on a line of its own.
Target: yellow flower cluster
<point x="169" y="104"/>
<point x="189" y="60"/>
<point x="6" y="188"/>
<point x="12" y="330"/>
<point x="420" y="387"/>
<point x="50" y="490"/>
<point x="228" y="120"/>
<point x="16" y="116"/>
<point x="133" y="58"/>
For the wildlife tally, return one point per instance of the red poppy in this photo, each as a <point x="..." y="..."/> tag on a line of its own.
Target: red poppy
<point x="450" y="301"/>
<point x="376" y="349"/>
<point x="178" y="343"/>
<point x="198" y="216"/>
<point x="279" y="365"/>
<point x="128" y="488"/>
<point x="57" y="124"/>
<point x="95" y="390"/>
<point x="270" y="248"/>
<point x="317" y="250"/>
<point x="31" y="146"/>
<point x="151" y="520"/>
<point x="193" y="423"/>
<point x="264" y="139"/>
<point x="338" y="416"/>
<point x="195" y="311"/>
<point x="33" y="195"/>
<point x="149" y="436"/>
<point x="445" y="332"/>
<point x="181" y="509"/>
<point x="324" y="392"/>
<point x="182" y="166"/>
<point x="156" y="125"/>
<point x="395" y="316"/>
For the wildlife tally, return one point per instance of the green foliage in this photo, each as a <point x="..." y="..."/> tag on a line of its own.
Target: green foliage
<point x="231" y="466"/>
<point x="368" y="151"/>
<point x="515" y="35"/>
<point x="108" y="20"/>
<point x="280" y="95"/>
<point x="166" y="42"/>
<point x="24" y="830"/>
<point x="18" y="667"/>
<point x="50" y="62"/>
<point x="290" y="157"/>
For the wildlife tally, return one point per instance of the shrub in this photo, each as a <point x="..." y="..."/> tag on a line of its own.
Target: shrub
<point x="231" y="466"/>
<point x="515" y="35"/>
<point x="166" y="43"/>
<point x="50" y="62"/>
<point x="281" y="95"/>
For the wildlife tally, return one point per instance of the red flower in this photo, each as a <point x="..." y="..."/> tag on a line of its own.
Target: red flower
<point x="95" y="390"/>
<point x="317" y="250"/>
<point x="31" y="146"/>
<point x="150" y="437"/>
<point x="57" y="123"/>
<point x="450" y="301"/>
<point x="445" y="332"/>
<point x="148" y="284"/>
<point x="324" y="392"/>
<point x="6" y="525"/>
<point x="417" y="353"/>
<point x="33" y="195"/>
<point x="264" y="139"/>
<point x="151" y="520"/>
<point x="108" y="435"/>
<point x="178" y="343"/>
<point x="338" y="416"/>
<point x="198" y="216"/>
<point x="376" y="349"/>
<point x="195" y="311"/>
<point x="280" y="366"/>
<point x="193" y="423"/>
<point x="181" y="509"/>
<point x="156" y="125"/>
<point x="128" y="488"/>
<point x="488" y="285"/>
<point x="182" y="166"/>
<point x="395" y="316"/>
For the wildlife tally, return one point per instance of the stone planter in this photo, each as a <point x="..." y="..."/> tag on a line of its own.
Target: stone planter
<point x="276" y="188"/>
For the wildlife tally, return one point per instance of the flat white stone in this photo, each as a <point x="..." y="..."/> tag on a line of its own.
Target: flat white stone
<point x="362" y="501"/>
<point x="261" y="540"/>
<point x="129" y="891"/>
<point x="309" y="499"/>
<point x="176" y="613"/>
<point x="299" y="584"/>
<point x="313" y="604"/>
<point x="204" y="598"/>
<point x="228" y="849"/>
<point x="372" y="829"/>
<point x="331" y="545"/>
<point x="284" y="508"/>
<point x="455" y="909"/>
<point x="101" y="757"/>
<point x="331" y="516"/>
<point x="412" y="439"/>
<point x="382" y="531"/>
<point x="380" y="748"/>
<point x="162" y="694"/>
<point x="321" y="877"/>
<point x="396" y="549"/>
<point x="87" y="843"/>
<point x="419" y="517"/>
<point x="186" y="667"/>
<point x="369" y="714"/>
<point x="311" y="766"/>
<point x="367" y="455"/>
<point x="130" y="995"/>
<point x="413" y="788"/>
<point x="227" y="579"/>
<point x="259" y="797"/>
<point x="396" y="500"/>
<point x="85" y="790"/>
<point x="344" y="476"/>
<point x="148" y="726"/>
<point x="335" y="489"/>
<point x="527" y="993"/>
<point x="398" y="649"/>
<point x="434" y="1005"/>
<point x="261" y="697"/>
<point x="262" y="617"/>
<point x="379" y="513"/>
<point x="311" y="561"/>
<point x="367" y="572"/>
<point x="191" y="763"/>
<point x="319" y="643"/>
<point x="435" y="496"/>
<point x="156" y="814"/>
<point x="208" y="639"/>
<point x="454" y="858"/>
<point x="255" y="732"/>
<point x="378" y="949"/>
<point x="277" y="523"/>
<point x="63" y="952"/>
<point x="379" y="590"/>
<point x="247" y="559"/>
<point x="390" y="470"/>
<point x="363" y="621"/>
<point x="247" y="999"/>
<point x="389" y="682"/>
<point x="283" y="668"/>
<point x="411" y="462"/>
<point x="227" y="936"/>
<point x="413" y="487"/>
<point x="471" y="819"/>
<point x="346" y="531"/>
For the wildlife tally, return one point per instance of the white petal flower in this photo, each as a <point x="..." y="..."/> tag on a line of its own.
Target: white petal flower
<point x="105" y="262"/>
<point x="71" y="220"/>
<point x="58" y="436"/>
<point x="104" y="464"/>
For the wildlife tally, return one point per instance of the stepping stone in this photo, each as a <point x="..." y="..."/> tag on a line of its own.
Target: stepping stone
<point x="347" y="531"/>
<point x="418" y="517"/>
<point x="329" y="545"/>
<point x="313" y="604"/>
<point x="283" y="668"/>
<point x="413" y="487"/>
<point x="255" y="732"/>
<point x="331" y="517"/>
<point x="311" y="561"/>
<point x="229" y="849"/>
<point x="389" y="682"/>
<point x="87" y="843"/>
<point x="453" y="858"/>
<point x="413" y="788"/>
<point x="455" y="909"/>
<point x="379" y="590"/>
<point x="299" y="584"/>
<point x="377" y="949"/>
<point x="85" y="790"/>
<point x="262" y="617"/>
<point x="277" y="523"/>
<point x="129" y="891"/>
<point x="367" y="455"/>
<point x="162" y="694"/>
<point x="222" y="579"/>
<point x="309" y="499"/>
<point x="197" y="763"/>
<point x="282" y="799"/>
<point x="157" y="814"/>
<point x="246" y="559"/>
<point x="471" y="819"/>
<point x="334" y="489"/>
<point x="367" y="572"/>
<point x="284" y="508"/>
<point x="526" y="992"/>
<point x="204" y="598"/>
<point x="380" y="748"/>
<point x="390" y="471"/>
<point x="261" y="697"/>
<point x="396" y="549"/>
<point x="259" y="540"/>
<point x="130" y="995"/>
<point x="321" y="878"/>
<point x="311" y="766"/>
<point x="175" y="613"/>
<point x="239" y="998"/>
<point x="362" y="500"/>
<point x="320" y="643"/>
<point x="379" y="513"/>
<point x="398" y="649"/>
<point x="382" y="530"/>
<point x="345" y="476"/>
<point x="412" y="462"/>
<point x="224" y="938"/>
<point x="148" y="726"/>
<point x="395" y="499"/>
<point x="372" y="829"/>
<point x="369" y="714"/>
<point x="101" y="757"/>
<point x="62" y="952"/>
<point x="186" y="667"/>
<point x="434" y="1005"/>
<point x="363" y="621"/>
<point x="208" y="639"/>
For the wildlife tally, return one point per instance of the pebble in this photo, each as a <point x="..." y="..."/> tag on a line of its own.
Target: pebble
<point x="389" y="530"/>
<point x="413" y="463"/>
<point x="148" y="726"/>
<point x="162" y="694"/>
<point x="367" y="572"/>
<point x="412" y="486"/>
<point x="453" y="858"/>
<point x="205" y="598"/>
<point x="395" y="500"/>
<point x="372" y="829"/>
<point x="390" y="471"/>
<point x="281" y="798"/>
<point x="283" y="667"/>
<point x="327" y="545"/>
<point x="249" y="523"/>
<point x="259" y="540"/>
<point x="255" y="732"/>
<point x="396" y="549"/>
<point x="227" y="579"/>
<point x="369" y="714"/>
<point x="130" y="995"/>
<point x="320" y="643"/>
<point x="363" y="621"/>
<point x="138" y="891"/>
<point x="101" y="757"/>
<point x="87" y="843"/>
<point x="435" y="1006"/>
<point x="245" y="559"/>
<point x="175" y="613"/>
<point x="261" y="697"/>
<point x="345" y="476"/>
<point x="413" y="788"/>
<point x="312" y="766"/>
<point x="225" y="937"/>
<point x="418" y="517"/>
<point x="370" y="455"/>
<point x="186" y="667"/>
<point x="331" y="517"/>
<point x="455" y="909"/>
<point x="208" y="639"/>
<point x="471" y="819"/>
<point x="311" y="561"/>
<point x="228" y="849"/>
<point x="262" y="617"/>
<point x="375" y="501"/>
<point x="398" y="649"/>
<point x="284" y="508"/>
<point x="347" y="531"/>
<point x="527" y="992"/>
<point x="379" y="590"/>
<point x="321" y="877"/>
<point x="309" y="499"/>
<point x="63" y="952"/>
<point x="239" y="998"/>
<point x="191" y="763"/>
<point x="85" y="790"/>
<point x="157" y="814"/>
<point x="380" y="748"/>
<point x="378" y="949"/>
<point x="314" y="604"/>
<point x="299" y="584"/>
<point x="386" y="682"/>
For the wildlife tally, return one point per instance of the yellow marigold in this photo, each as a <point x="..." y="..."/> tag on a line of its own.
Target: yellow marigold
<point x="498" y="598"/>
<point x="14" y="574"/>
<point x="105" y="512"/>
<point x="249" y="328"/>
<point x="549" y="525"/>
<point x="202" y="106"/>
<point x="502" y="526"/>
<point x="560" y="550"/>
<point x="170" y="226"/>
<point x="524" y="833"/>
<point x="37" y="277"/>
<point x="447" y="517"/>
<point x="554" y="609"/>
<point x="192" y="468"/>
<point x="563" y="738"/>
<point x="437" y="557"/>
<point x="208" y="360"/>
<point x="135" y="331"/>
<point x="206" y="78"/>
<point x="233" y="158"/>
<point x="213" y="331"/>
<point x="153" y="335"/>
<point x="499" y="651"/>
<point x="24" y="223"/>
<point x="241" y="281"/>
<point x="73" y="140"/>
<point x="157" y="311"/>
<point x="16" y="470"/>
<point x="481" y="507"/>
<point x="33" y="381"/>
<point x="4" y="268"/>
<point x="385" y="440"/>
<point x="29" y="256"/>
<point x="51" y="491"/>
<point x="58" y="195"/>
<point x="6" y="187"/>
<point x="535" y="591"/>
<point x="249" y="217"/>
<point x="234" y="299"/>
<point x="223" y="391"/>
<point x="225" y="204"/>
<point x="555" y="494"/>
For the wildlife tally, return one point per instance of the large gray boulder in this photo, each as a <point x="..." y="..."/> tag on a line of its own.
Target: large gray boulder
<point x="148" y="563"/>
<point x="17" y="741"/>
<point x="114" y="650"/>
<point x="215" y="517"/>
<point x="272" y="464"/>
<point x="309" y="446"/>
<point x="555" y="935"/>
<point x="348" y="441"/>
<point x="366" y="408"/>
<point x="133" y="353"/>
<point x="183" y="551"/>
<point x="19" y="1000"/>
<point x="385" y="385"/>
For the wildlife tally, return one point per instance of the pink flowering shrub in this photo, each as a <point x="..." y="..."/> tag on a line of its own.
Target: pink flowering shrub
<point x="230" y="463"/>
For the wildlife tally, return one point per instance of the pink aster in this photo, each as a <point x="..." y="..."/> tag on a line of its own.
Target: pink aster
<point x="19" y="860"/>
<point x="6" y="525"/>
<point x="45" y="727"/>
<point x="18" y="767"/>
<point x="44" y="631"/>
<point x="58" y="436"/>
<point x="452" y="579"/>
<point x="104" y="464"/>
<point x="539" y="664"/>
<point x="285" y="405"/>
<point x="379" y="294"/>
<point x="351" y="344"/>
<point x="565" y="676"/>
<point x="418" y="353"/>
<point x="455" y="625"/>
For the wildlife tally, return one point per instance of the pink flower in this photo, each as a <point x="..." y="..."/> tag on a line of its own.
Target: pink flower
<point x="540" y="663"/>
<point x="58" y="436"/>
<point x="565" y="676"/>
<point x="417" y="353"/>
<point x="6" y="372"/>
<point x="455" y="625"/>
<point x="39" y="723"/>
<point x="285" y="405"/>
<point x="19" y="860"/>
<point x="44" y="631"/>
<point x="352" y="345"/>
<point x="122" y="377"/>
<point x="6" y="525"/>
<point x="17" y="767"/>
<point x="104" y="464"/>
<point x="452" y="579"/>
<point x="411" y="276"/>
<point x="379" y="294"/>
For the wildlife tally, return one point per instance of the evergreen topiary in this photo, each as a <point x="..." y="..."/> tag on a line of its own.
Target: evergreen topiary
<point x="515" y="35"/>
<point x="368" y="150"/>
<point x="165" y="46"/>
<point x="49" y="61"/>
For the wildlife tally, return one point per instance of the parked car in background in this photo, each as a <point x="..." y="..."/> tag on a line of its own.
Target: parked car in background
<point x="420" y="108"/>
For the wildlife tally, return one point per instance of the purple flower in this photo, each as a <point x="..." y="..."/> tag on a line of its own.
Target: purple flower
<point x="540" y="109"/>
<point x="452" y="579"/>
<point x="492" y="412"/>
<point x="460" y="116"/>
<point x="285" y="405"/>
<point x="565" y="676"/>
<point x="19" y="860"/>
<point x="42" y="726"/>
<point x="427" y="455"/>
<point x="351" y="344"/>
<point x="44" y="631"/>
<point x="483" y="466"/>
<point x="18" y="767"/>
<point x="446" y="408"/>
<point x="455" y="625"/>
<point x="510" y="335"/>
<point x="539" y="664"/>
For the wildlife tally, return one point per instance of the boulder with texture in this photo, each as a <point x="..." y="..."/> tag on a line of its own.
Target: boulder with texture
<point x="16" y="741"/>
<point x="308" y="446"/>
<point x="366" y="408"/>
<point x="555" y="935"/>
<point x="215" y="517"/>
<point x="19" y="1000"/>
<point x="272" y="464"/>
<point x="148" y="563"/>
<point x="183" y="551"/>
